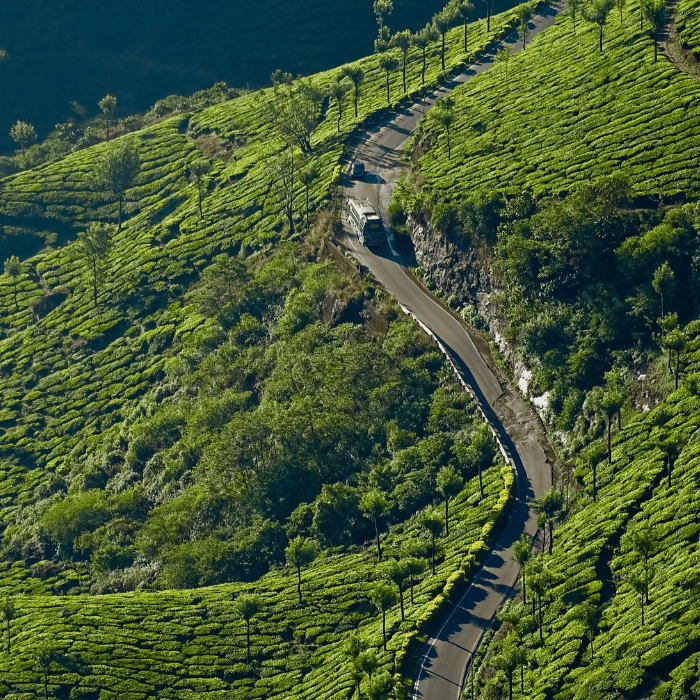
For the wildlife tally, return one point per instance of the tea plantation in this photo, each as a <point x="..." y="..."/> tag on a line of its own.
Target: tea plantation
<point x="641" y="528"/>
<point x="568" y="113"/>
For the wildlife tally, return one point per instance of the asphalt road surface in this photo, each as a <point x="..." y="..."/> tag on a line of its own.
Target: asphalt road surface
<point x="445" y="659"/>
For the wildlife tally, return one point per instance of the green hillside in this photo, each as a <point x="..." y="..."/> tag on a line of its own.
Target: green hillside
<point x="599" y="557"/>
<point x="566" y="175"/>
<point x="569" y="113"/>
<point x="688" y="25"/>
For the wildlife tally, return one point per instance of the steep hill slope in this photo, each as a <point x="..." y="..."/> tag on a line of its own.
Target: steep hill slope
<point x="643" y="526"/>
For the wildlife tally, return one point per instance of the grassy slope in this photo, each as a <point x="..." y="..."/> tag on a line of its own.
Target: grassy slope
<point x="183" y="644"/>
<point x="592" y="563"/>
<point x="79" y="371"/>
<point x="688" y="24"/>
<point x="572" y="113"/>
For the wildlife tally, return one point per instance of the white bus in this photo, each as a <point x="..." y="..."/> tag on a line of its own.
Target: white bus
<point x="365" y="222"/>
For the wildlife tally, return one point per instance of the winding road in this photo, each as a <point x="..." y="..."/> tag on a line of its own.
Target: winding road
<point x="445" y="659"/>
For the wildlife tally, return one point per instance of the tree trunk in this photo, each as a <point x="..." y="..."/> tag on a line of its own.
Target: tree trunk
<point x="668" y="469"/>
<point x="449" y="146"/>
<point x="384" y="628"/>
<point x="15" y="292"/>
<point x="8" y="636"/>
<point x="401" y="602"/>
<point x="422" y="74"/>
<point x="404" y="73"/>
<point x="442" y="55"/>
<point x="356" y="97"/>
<point x="619" y="419"/>
<point x="678" y="366"/>
<point x="465" y="37"/>
<point x="488" y="19"/>
<point x="299" y="582"/>
<point x="524" y="589"/>
<point x="46" y="686"/>
<point x="551" y="536"/>
<point x="539" y="616"/>
<point x="601" y="38"/>
<point x="199" y="191"/>
<point x="609" y="440"/>
<point x="379" y="548"/>
<point x="247" y="642"/>
<point x="447" y="523"/>
<point x="642" y="608"/>
<point x="388" y="99"/>
<point x="307" y="204"/>
<point x="119" y="215"/>
<point x="656" y="47"/>
<point x="591" y="647"/>
<point x="433" y="555"/>
<point x="510" y="686"/>
<point x="411" y="580"/>
<point x="522" y="679"/>
<point x="481" y="482"/>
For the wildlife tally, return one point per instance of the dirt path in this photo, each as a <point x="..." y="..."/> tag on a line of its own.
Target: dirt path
<point x="457" y="635"/>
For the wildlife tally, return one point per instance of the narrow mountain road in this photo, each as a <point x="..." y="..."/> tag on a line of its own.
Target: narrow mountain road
<point x="457" y="635"/>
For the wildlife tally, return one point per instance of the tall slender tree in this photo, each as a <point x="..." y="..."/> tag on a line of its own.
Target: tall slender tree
<point x="422" y="41"/>
<point x="94" y="247"/>
<point x="432" y="522"/>
<point x="300" y="553"/>
<point x="508" y="661"/>
<point x="247" y="606"/>
<point x="597" y="13"/>
<point x="522" y="552"/>
<point x="549" y="505"/>
<point x="108" y="105"/>
<point x="338" y="92"/>
<point x="443" y="21"/>
<point x="356" y="76"/>
<point x="308" y="176"/>
<point x="388" y="63"/>
<point x="374" y="504"/>
<point x="675" y="341"/>
<point x="464" y="10"/>
<point x="402" y="41"/>
<point x="22" y="133"/>
<point x="13" y="268"/>
<point x="397" y="571"/>
<point x="45" y="655"/>
<point x="449" y="484"/>
<point x="383" y="596"/>
<point x="117" y="170"/>
<point x="198" y="175"/>
<point x="655" y="11"/>
<point x="574" y="8"/>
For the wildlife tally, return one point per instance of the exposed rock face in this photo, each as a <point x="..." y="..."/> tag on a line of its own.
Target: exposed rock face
<point x="459" y="269"/>
<point x="456" y="270"/>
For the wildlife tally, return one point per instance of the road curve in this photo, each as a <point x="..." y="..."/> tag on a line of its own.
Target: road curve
<point x="457" y="634"/>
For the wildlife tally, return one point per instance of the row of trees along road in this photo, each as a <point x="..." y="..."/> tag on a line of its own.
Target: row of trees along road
<point x="597" y="12"/>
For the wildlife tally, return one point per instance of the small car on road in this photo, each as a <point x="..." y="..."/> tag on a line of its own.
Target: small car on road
<point x="357" y="170"/>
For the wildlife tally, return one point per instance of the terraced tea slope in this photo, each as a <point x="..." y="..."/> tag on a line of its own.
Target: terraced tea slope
<point x="568" y="113"/>
<point x="599" y="558"/>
